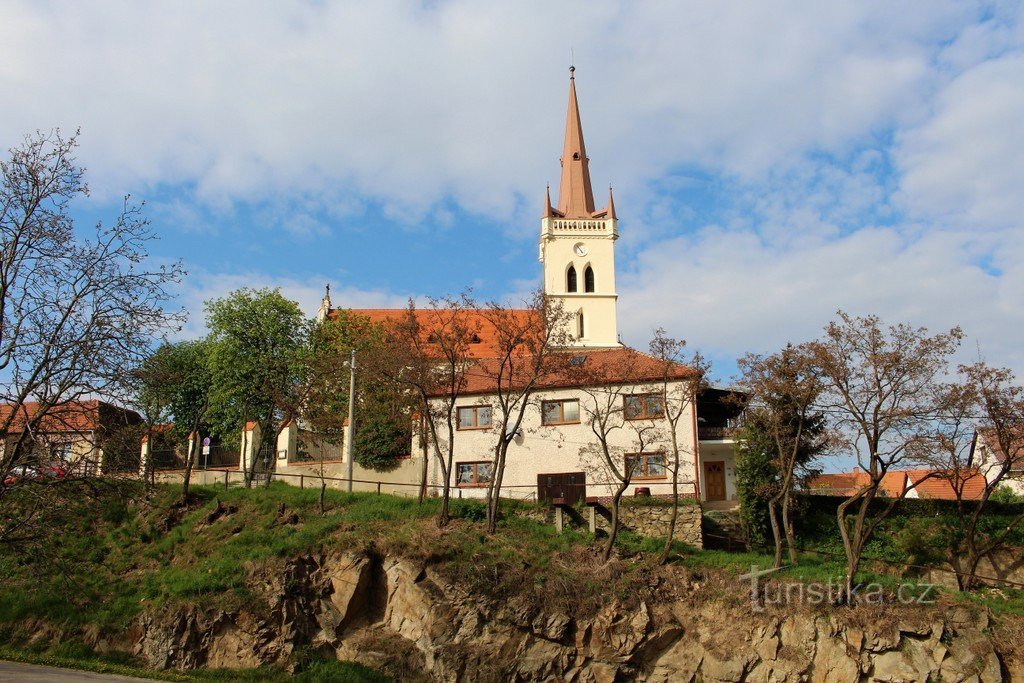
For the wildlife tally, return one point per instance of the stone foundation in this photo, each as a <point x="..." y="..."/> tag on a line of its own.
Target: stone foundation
<point x="653" y="520"/>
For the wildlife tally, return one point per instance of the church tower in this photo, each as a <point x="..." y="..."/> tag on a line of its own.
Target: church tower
<point x="577" y="243"/>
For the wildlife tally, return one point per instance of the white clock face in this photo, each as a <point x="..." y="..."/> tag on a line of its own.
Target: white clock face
<point x="580" y="249"/>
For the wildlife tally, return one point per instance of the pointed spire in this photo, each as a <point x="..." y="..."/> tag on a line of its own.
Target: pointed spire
<point x="548" y="213"/>
<point x="575" y="196"/>
<point x="610" y="211"/>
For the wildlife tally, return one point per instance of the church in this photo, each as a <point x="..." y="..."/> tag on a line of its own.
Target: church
<point x="555" y="453"/>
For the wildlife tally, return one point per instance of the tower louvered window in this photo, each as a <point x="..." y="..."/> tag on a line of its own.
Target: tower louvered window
<point x="588" y="279"/>
<point x="570" y="279"/>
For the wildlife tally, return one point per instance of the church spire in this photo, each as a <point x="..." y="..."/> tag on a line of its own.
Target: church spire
<point x="575" y="196"/>
<point x="548" y="213"/>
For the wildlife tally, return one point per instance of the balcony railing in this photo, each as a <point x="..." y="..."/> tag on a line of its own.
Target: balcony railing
<point x="715" y="432"/>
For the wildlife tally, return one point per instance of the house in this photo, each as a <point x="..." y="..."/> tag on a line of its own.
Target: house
<point x="989" y="457"/>
<point x="945" y="485"/>
<point x="555" y="450"/>
<point x="78" y="437"/>
<point x="913" y="483"/>
<point x="845" y="484"/>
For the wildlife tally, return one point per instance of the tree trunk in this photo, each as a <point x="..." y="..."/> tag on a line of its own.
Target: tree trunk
<point x="672" y="520"/>
<point x="494" y="505"/>
<point x="148" y="478"/>
<point x="787" y="526"/>
<point x="423" y="469"/>
<point x="190" y="459"/>
<point x="773" y="517"/>
<point x="614" y="531"/>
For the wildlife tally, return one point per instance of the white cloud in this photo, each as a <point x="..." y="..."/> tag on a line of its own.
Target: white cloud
<point x="734" y="292"/>
<point x="965" y="163"/>
<point x="201" y="286"/>
<point x="858" y="155"/>
<point x="411" y="104"/>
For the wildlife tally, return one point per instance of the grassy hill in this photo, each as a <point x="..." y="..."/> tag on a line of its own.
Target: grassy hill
<point x="74" y="595"/>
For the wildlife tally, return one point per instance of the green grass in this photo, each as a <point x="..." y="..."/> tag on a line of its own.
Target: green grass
<point x="119" y="556"/>
<point x="114" y="559"/>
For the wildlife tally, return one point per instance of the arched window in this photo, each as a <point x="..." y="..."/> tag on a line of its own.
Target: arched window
<point x="570" y="279"/>
<point x="588" y="279"/>
<point x="579" y="325"/>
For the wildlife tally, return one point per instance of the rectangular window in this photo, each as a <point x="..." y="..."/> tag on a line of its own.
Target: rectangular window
<point x="566" y="411"/>
<point x="646" y="465"/>
<point x="475" y="417"/>
<point x="643" y="406"/>
<point x="472" y="473"/>
<point x="61" y="451"/>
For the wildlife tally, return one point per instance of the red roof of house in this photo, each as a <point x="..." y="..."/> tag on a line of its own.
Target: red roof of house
<point x="584" y="367"/>
<point x="74" y="416"/>
<point x="893" y="483"/>
<point x="943" y="484"/>
<point x="158" y="429"/>
<point x="475" y="320"/>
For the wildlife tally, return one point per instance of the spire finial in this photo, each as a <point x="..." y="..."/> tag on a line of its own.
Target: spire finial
<point x="575" y="196"/>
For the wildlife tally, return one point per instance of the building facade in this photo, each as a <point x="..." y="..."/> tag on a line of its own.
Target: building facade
<point x="556" y="449"/>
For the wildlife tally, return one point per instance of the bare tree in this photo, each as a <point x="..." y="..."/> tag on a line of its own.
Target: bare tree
<point x="427" y="352"/>
<point x="680" y="379"/>
<point x="612" y="382"/>
<point x="879" y="391"/>
<point x="524" y="343"/>
<point x="77" y="313"/>
<point x="980" y="439"/>
<point x="783" y="389"/>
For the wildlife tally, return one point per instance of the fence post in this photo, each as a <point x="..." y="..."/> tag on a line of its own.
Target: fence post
<point x="378" y="488"/>
<point x="302" y="481"/>
<point x="226" y="479"/>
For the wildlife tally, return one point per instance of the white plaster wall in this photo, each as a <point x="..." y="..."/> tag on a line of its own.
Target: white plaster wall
<point x="989" y="466"/>
<point x="540" y="449"/>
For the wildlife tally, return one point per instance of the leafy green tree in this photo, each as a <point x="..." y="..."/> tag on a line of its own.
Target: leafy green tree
<point x="756" y="474"/>
<point x="786" y="426"/>
<point x="256" y="363"/>
<point x="177" y="378"/>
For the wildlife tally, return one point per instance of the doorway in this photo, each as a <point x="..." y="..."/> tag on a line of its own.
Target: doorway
<point x="570" y="487"/>
<point x="714" y="480"/>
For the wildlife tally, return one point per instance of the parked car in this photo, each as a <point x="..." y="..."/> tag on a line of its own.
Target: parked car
<point x="35" y="473"/>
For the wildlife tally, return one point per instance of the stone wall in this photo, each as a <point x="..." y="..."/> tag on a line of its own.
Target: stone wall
<point x="653" y="520"/>
<point x="649" y="518"/>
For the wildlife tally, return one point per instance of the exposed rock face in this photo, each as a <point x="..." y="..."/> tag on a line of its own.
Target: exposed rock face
<point x="401" y="617"/>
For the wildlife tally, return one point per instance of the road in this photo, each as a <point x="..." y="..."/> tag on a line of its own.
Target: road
<point x="30" y="673"/>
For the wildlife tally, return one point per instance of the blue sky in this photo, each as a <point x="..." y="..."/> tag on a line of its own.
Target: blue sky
<point x="772" y="161"/>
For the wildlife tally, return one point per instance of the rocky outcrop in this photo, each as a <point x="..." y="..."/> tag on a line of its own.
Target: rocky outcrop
<point x="404" y="618"/>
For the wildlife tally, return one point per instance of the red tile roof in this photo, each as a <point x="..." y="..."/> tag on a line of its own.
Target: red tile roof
<point x="476" y="320"/>
<point x="941" y="484"/>
<point x="72" y="417"/>
<point x="584" y="367"/>
<point x="893" y="483"/>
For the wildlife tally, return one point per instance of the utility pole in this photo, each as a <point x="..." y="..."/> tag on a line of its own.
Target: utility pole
<point x="351" y="432"/>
